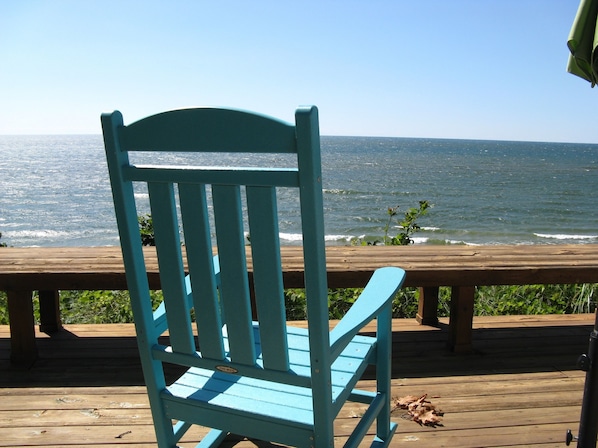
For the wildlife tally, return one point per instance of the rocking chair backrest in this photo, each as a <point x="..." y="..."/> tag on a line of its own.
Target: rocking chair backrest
<point x="184" y="200"/>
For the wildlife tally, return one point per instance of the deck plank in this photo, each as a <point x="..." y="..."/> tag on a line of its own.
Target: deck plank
<point x="519" y="388"/>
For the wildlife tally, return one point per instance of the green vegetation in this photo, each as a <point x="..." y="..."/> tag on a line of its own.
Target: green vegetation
<point x="407" y="227"/>
<point x="2" y="244"/>
<point x="408" y="224"/>
<point x="489" y="300"/>
<point x="146" y="228"/>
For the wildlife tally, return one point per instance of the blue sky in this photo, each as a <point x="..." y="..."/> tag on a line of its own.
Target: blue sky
<point x="475" y="69"/>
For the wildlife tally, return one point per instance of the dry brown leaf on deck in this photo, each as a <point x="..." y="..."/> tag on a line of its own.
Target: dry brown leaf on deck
<point x="420" y="403"/>
<point x="405" y="401"/>
<point x="421" y="410"/>
<point x="428" y="418"/>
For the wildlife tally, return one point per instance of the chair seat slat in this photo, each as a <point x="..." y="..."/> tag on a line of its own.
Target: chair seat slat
<point x="234" y="404"/>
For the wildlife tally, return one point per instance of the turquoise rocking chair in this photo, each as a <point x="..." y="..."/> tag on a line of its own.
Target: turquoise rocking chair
<point x="253" y="376"/>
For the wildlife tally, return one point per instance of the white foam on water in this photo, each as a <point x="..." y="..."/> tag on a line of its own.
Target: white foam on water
<point x="298" y="237"/>
<point x="291" y="236"/>
<point x="36" y="233"/>
<point x="562" y="236"/>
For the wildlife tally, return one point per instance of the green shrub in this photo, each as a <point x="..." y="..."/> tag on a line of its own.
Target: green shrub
<point x="3" y="309"/>
<point x="340" y="300"/>
<point x="408" y="225"/>
<point x="87" y="307"/>
<point x="535" y="299"/>
<point x="100" y="306"/>
<point x="146" y="229"/>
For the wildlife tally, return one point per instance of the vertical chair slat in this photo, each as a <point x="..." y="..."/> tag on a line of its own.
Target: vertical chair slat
<point x="172" y="273"/>
<point x="267" y="275"/>
<point x="198" y="243"/>
<point x="233" y="272"/>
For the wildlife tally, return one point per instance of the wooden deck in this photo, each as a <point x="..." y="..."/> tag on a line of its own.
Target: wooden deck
<point x="519" y="388"/>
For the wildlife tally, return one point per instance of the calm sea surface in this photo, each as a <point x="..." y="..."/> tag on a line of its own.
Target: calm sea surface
<point x="55" y="192"/>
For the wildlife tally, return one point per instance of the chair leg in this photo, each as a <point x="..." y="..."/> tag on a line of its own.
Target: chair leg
<point x="167" y="434"/>
<point x="383" y="443"/>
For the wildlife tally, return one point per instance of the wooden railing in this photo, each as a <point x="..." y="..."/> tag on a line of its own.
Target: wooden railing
<point x="49" y="270"/>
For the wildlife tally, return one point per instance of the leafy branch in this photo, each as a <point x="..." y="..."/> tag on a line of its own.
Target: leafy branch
<point x="146" y="229"/>
<point x="408" y="224"/>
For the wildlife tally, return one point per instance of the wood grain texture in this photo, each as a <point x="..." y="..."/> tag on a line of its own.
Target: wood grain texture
<point x="347" y="266"/>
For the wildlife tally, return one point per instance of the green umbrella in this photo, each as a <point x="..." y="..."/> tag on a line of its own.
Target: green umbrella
<point x="583" y="42"/>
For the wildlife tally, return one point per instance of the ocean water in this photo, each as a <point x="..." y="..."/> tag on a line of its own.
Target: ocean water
<point x="54" y="191"/>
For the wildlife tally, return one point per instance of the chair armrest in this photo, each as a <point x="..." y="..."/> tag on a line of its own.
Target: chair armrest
<point x="377" y="294"/>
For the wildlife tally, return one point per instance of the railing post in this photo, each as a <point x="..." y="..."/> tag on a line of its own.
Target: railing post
<point x="23" y="349"/>
<point x="49" y="311"/>
<point x="427" y="308"/>
<point x="461" y="318"/>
